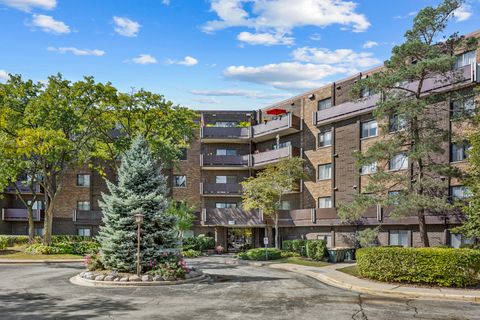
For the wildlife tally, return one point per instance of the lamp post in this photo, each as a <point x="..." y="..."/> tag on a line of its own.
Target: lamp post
<point x="138" y="220"/>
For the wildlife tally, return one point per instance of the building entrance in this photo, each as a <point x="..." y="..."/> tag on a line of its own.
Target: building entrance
<point x="239" y="239"/>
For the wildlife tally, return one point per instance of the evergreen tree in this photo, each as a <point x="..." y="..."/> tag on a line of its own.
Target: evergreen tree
<point x="141" y="188"/>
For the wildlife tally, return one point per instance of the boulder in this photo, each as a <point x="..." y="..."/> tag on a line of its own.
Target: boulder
<point x="157" y="278"/>
<point x="82" y="274"/>
<point x="99" y="278"/>
<point x="169" y="278"/>
<point x="110" y="277"/>
<point x="134" y="278"/>
<point x="147" y="277"/>
<point x="124" y="279"/>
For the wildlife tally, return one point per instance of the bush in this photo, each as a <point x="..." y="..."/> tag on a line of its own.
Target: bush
<point x="219" y="249"/>
<point x="191" y="253"/>
<point x="170" y="266"/>
<point x="38" y="248"/>
<point x="298" y="246"/>
<point x="86" y="246"/>
<point x="93" y="262"/>
<point x="470" y="246"/>
<point x="287" y="245"/>
<point x="316" y="249"/>
<point x="368" y="237"/>
<point x="259" y="254"/>
<point x="3" y="242"/>
<point x="289" y="254"/>
<point x="439" y="266"/>
<point x="199" y="243"/>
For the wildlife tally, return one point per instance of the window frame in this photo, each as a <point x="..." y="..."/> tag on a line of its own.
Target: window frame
<point x="84" y="229"/>
<point x="362" y="130"/>
<point x="406" y="232"/>
<point x="81" y="208"/>
<point x="175" y="185"/>
<point x="373" y="165"/>
<point x="461" y="147"/>
<point x="234" y="205"/>
<point x="226" y="152"/>
<point x="403" y="165"/>
<point x="226" y="179"/>
<point x="81" y="177"/>
<point x="324" y="100"/>
<point x="329" y="171"/>
<point x="322" y="133"/>
<point x="325" y="202"/>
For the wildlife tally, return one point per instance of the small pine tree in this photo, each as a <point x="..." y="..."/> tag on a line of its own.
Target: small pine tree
<point x="141" y="188"/>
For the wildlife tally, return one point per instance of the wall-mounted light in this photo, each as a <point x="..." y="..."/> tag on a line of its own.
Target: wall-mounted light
<point x="312" y="96"/>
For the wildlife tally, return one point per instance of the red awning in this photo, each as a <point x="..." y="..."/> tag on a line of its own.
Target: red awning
<point x="276" y="111"/>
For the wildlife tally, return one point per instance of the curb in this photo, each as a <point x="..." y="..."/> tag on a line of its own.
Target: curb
<point x="26" y="261"/>
<point x="77" y="280"/>
<point x="377" y="291"/>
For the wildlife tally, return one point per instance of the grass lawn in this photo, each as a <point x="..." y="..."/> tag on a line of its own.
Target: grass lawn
<point x="303" y="262"/>
<point x="351" y="270"/>
<point x="14" y="255"/>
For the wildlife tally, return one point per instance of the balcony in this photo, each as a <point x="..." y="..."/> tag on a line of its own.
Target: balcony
<point x="437" y="83"/>
<point x="221" y="189"/>
<point x="22" y="188"/>
<point x="225" y="134"/>
<point x="215" y="162"/>
<point x="262" y="159"/>
<point x="231" y="218"/>
<point x="10" y="214"/>
<point x="87" y="216"/>
<point x="287" y="124"/>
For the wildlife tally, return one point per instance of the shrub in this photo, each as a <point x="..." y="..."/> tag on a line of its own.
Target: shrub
<point x="3" y="242"/>
<point x="287" y="245"/>
<point x="368" y="237"/>
<point x="259" y="254"/>
<point x="316" y="249"/>
<point x="93" y="262"/>
<point x="470" y="246"/>
<point x="191" y="253"/>
<point x="199" y="243"/>
<point x="289" y="254"/>
<point x="65" y="247"/>
<point x="219" y="249"/>
<point x="439" y="266"/>
<point x="38" y="248"/>
<point x="298" y="246"/>
<point x="170" y="266"/>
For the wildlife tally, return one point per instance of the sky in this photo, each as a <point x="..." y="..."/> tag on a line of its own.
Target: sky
<point x="208" y="54"/>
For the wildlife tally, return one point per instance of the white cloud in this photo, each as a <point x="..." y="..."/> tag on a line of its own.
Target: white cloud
<point x="49" y="24"/>
<point x="281" y="17"/>
<point x="316" y="37"/>
<point x="166" y="2"/>
<point x="144" y="59"/>
<point x="28" y="5"/>
<point x="209" y="100"/>
<point x="267" y="39"/>
<point x="370" y="44"/>
<point x="340" y="57"/>
<point x="187" y="61"/>
<point x="77" y="52"/>
<point x="126" y="27"/>
<point x="252" y="94"/>
<point x="463" y="13"/>
<point x="3" y="75"/>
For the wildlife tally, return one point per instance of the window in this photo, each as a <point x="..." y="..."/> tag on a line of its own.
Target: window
<point x="83" y="205"/>
<point x="369" y="168"/>
<point x="396" y="123"/>
<point x="281" y="145"/>
<point x="459" y="193"/>
<point x="225" y="205"/>
<point x="463" y="107"/>
<point x="456" y="240"/>
<point x="395" y="195"/>
<point x="83" y="180"/>
<point x="365" y="92"/>
<point x="285" y="205"/>
<point x="369" y="129"/>
<point x="399" y="238"/>
<point x="226" y="179"/>
<point x="458" y="151"/>
<point x="38" y="231"/>
<point x="183" y="154"/>
<point x="226" y="152"/>
<point x="465" y="58"/>
<point x="37" y="205"/>
<point x="325" y="202"/>
<point x="226" y="124"/>
<point x="398" y="162"/>
<point x="325" y="138"/>
<point x="325" y="171"/>
<point x="179" y="181"/>
<point x="84" y="232"/>
<point x="324" y="104"/>
<point x="327" y="238"/>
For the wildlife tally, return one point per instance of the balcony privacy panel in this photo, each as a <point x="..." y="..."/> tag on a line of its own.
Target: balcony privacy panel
<point x="225" y="132"/>
<point x="14" y="214"/>
<point x="225" y="160"/>
<point x="222" y="188"/>
<point x="232" y="217"/>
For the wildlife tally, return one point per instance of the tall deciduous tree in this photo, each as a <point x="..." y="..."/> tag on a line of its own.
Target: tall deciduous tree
<point x="414" y="139"/>
<point x="184" y="214"/>
<point x="267" y="190"/>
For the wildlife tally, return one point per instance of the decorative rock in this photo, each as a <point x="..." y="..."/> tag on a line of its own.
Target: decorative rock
<point x="99" y="278"/>
<point x="169" y="278"/>
<point x="147" y="277"/>
<point x="116" y="279"/>
<point x="134" y="278"/>
<point x="110" y="277"/>
<point x="82" y="274"/>
<point x="124" y="279"/>
<point x="90" y="276"/>
<point x="157" y="278"/>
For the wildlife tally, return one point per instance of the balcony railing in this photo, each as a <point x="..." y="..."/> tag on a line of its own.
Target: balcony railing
<point x="23" y="188"/>
<point x="221" y="188"/>
<point x="87" y="216"/>
<point x="286" y="124"/>
<point x="219" y="133"/>
<point x="225" y="161"/>
<point x="11" y="214"/>
<point x="436" y="83"/>
<point x="231" y="217"/>
<point x="267" y="157"/>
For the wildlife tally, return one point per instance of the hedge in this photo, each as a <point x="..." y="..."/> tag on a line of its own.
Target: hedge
<point x="259" y="254"/>
<point x="287" y="245"/>
<point x="316" y="249"/>
<point x="438" y="266"/>
<point x="199" y="243"/>
<point x="298" y="246"/>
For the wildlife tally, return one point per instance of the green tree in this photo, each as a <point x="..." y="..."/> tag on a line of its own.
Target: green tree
<point x="416" y="137"/>
<point x="267" y="190"/>
<point x="184" y="215"/>
<point x="141" y="188"/>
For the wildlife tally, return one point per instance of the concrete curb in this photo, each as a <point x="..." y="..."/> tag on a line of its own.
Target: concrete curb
<point x="396" y="291"/>
<point x="26" y="261"/>
<point x="77" y="280"/>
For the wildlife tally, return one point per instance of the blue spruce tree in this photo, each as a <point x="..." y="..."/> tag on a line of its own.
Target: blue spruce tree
<point x="141" y="188"/>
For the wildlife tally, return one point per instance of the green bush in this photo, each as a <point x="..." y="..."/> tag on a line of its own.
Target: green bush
<point x="438" y="266"/>
<point x="298" y="246"/>
<point x="93" y="262"/>
<point x="470" y="246"/>
<point x="287" y="245"/>
<point x="289" y="254"/>
<point x="38" y="248"/>
<point x="191" y="253"/>
<point x="199" y="243"/>
<point x="316" y="249"/>
<point x="259" y="254"/>
<point x="87" y="246"/>
<point x="3" y="242"/>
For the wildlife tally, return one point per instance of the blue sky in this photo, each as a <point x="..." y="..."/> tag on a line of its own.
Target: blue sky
<point x="208" y="54"/>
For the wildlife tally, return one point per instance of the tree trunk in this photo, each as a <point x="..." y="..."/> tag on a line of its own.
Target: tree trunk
<point x="47" y="225"/>
<point x="422" y="226"/>
<point x="31" y="224"/>
<point x="276" y="230"/>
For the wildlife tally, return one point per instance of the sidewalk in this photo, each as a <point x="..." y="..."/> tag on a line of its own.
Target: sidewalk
<point x="331" y="276"/>
<point x="33" y="261"/>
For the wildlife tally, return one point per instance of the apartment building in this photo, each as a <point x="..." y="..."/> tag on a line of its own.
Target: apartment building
<point x="324" y="127"/>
